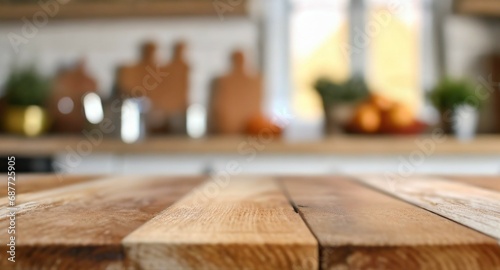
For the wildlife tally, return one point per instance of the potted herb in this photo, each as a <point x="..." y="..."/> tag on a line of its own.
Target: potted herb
<point x="25" y="95"/>
<point x="339" y="100"/>
<point x="458" y="105"/>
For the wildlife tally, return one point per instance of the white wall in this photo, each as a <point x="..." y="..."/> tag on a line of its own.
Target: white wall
<point x="467" y="41"/>
<point x="108" y="43"/>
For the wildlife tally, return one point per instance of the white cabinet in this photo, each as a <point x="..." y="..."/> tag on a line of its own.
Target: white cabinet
<point x="280" y="164"/>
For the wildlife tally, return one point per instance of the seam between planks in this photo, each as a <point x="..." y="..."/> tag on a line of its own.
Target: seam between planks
<point x="279" y="181"/>
<point x="129" y="242"/>
<point x="340" y="251"/>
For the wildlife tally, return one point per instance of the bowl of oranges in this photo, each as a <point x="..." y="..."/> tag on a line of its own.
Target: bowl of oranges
<point x="380" y="115"/>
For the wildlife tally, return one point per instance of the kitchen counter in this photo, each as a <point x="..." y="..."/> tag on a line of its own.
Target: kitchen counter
<point x="254" y="222"/>
<point x="334" y="145"/>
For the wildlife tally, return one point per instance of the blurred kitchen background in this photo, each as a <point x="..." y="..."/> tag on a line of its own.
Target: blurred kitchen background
<point x="187" y="87"/>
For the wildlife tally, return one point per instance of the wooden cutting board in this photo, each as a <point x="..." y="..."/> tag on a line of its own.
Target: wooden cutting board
<point x="70" y="86"/>
<point x="235" y="222"/>
<point x="134" y="80"/>
<point x="236" y="98"/>
<point x="175" y="99"/>
<point x="174" y="102"/>
<point x="166" y="87"/>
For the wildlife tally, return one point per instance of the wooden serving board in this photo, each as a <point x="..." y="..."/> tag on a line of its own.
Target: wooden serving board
<point x="237" y="222"/>
<point x="236" y="98"/>
<point x="164" y="85"/>
<point x="70" y="85"/>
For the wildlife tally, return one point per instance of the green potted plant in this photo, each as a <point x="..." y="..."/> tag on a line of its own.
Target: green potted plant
<point x="26" y="92"/>
<point x="339" y="100"/>
<point x="458" y="105"/>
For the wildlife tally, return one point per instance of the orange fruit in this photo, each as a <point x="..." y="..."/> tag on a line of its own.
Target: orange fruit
<point x="261" y="124"/>
<point x="399" y="116"/>
<point x="367" y="118"/>
<point x="383" y="103"/>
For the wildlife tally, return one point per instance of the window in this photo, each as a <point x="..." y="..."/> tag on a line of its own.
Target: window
<point x="326" y="41"/>
<point x="393" y="55"/>
<point x="318" y="28"/>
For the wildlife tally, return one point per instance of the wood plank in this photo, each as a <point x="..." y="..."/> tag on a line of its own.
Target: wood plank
<point x="81" y="226"/>
<point x="101" y="9"/>
<point x="240" y="224"/>
<point x="488" y="145"/>
<point x="26" y="183"/>
<point x="487" y="182"/>
<point x="360" y="228"/>
<point x="478" y="7"/>
<point x="475" y="207"/>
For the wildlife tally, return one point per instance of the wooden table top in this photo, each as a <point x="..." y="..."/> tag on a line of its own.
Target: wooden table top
<point x="334" y="145"/>
<point x="250" y="222"/>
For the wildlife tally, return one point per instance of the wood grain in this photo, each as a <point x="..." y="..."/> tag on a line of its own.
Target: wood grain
<point x="81" y="226"/>
<point x="235" y="224"/>
<point x="487" y="182"/>
<point x="359" y="228"/>
<point x="26" y="183"/>
<point x="475" y="207"/>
